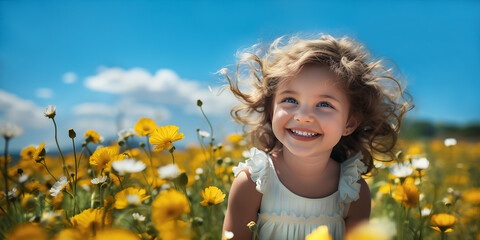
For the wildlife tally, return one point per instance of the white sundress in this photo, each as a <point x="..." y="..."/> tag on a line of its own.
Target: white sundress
<point x="286" y="215"/>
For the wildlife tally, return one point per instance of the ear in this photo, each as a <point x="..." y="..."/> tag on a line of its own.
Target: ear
<point x="351" y="125"/>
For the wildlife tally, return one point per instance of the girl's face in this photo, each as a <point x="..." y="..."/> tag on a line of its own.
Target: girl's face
<point x="310" y="112"/>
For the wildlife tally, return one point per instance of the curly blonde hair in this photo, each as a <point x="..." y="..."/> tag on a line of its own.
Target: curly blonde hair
<point x="377" y="99"/>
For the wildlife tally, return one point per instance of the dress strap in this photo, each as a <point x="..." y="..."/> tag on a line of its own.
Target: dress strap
<point x="258" y="166"/>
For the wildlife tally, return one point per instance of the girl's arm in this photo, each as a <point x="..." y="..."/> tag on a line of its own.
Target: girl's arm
<point x="360" y="209"/>
<point x="243" y="204"/>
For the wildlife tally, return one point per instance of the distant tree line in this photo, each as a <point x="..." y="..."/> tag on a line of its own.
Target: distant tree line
<point x="426" y="129"/>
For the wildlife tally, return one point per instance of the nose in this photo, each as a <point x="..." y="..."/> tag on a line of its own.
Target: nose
<point x="303" y="114"/>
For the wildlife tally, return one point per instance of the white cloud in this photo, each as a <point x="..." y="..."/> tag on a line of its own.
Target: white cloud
<point x="164" y="86"/>
<point x="44" y="93"/>
<point x="20" y="111"/>
<point x="69" y="77"/>
<point x="112" y="118"/>
<point x="95" y="109"/>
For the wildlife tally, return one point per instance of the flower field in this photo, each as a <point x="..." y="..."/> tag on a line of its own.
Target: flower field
<point x="142" y="187"/>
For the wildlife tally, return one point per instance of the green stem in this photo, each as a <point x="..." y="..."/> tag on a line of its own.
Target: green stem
<point x="5" y="172"/>
<point x="120" y="181"/>
<point x="45" y="165"/>
<point x="80" y="157"/>
<point x="151" y="162"/>
<point x="5" y="213"/>
<point x="65" y="170"/>
<point x="75" y="178"/>
<point x="209" y="124"/>
<point x="171" y="153"/>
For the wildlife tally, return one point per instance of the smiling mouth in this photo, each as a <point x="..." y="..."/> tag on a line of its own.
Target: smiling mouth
<point x="303" y="133"/>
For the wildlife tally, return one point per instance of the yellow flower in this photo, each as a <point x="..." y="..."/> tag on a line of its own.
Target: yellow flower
<point x="145" y="126"/>
<point x="69" y="234"/>
<point x="169" y="205"/>
<point x="443" y="222"/>
<point x="28" y="153"/>
<point x="116" y="179"/>
<point x="321" y="233"/>
<point x="2" y="159"/>
<point x="27" y="231"/>
<point x="57" y="201"/>
<point x="212" y="196"/>
<point x="175" y="230"/>
<point x="130" y="196"/>
<point x="472" y="196"/>
<point x="163" y="137"/>
<point x="91" y="220"/>
<point x="102" y="158"/>
<point x="29" y="202"/>
<point x="119" y="234"/>
<point x="92" y="136"/>
<point x="375" y="229"/>
<point x="39" y="153"/>
<point x="385" y="188"/>
<point x="234" y="138"/>
<point x="407" y="193"/>
<point x="35" y="186"/>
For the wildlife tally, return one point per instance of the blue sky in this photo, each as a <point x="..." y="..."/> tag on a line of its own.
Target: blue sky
<point x="104" y="64"/>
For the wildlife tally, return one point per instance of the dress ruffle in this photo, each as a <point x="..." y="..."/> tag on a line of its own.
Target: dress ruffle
<point x="351" y="172"/>
<point x="258" y="166"/>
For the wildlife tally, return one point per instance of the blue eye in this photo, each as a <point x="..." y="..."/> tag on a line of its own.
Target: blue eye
<point x="290" y="100"/>
<point x="325" y="104"/>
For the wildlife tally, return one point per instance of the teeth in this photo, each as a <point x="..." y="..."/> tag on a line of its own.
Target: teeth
<point x="305" y="134"/>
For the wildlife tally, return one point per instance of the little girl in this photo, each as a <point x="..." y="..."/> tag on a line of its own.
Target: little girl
<point x="319" y="112"/>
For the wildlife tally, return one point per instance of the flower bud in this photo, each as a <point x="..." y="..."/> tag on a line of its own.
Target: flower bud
<point x="252" y="226"/>
<point x="71" y="133"/>
<point x="142" y="144"/>
<point x="197" y="221"/>
<point x="199" y="102"/>
<point x="182" y="179"/>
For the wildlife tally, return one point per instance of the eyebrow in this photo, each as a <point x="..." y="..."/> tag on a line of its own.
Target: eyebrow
<point x="320" y="95"/>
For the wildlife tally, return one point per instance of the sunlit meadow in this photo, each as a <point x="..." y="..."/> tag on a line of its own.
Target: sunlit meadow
<point x="142" y="187"/>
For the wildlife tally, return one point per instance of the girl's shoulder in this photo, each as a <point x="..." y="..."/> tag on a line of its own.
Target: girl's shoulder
<point x="258" y="167"/>
<point x="351" y="173"/>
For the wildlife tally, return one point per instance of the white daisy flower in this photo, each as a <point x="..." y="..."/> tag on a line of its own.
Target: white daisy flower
<point x="401" y="170"/>
<point x="128" y="165"/>
<point x="170" y="171"/>
<point x="426" y="212"/>
<point x="132" y="199"/>
<point x="228" y="235"/>
<point x="23" y="178"/>
<point x="420" y="163"/>
<point x="50" y="111"/>
<point x="450" y="142"/>
<point x="58" y="186"/>
<point x="125" y="133"/>
<point x="139" y="217"/>
<point x="11" y="193"/>
<point x="10" y="130"/>
<point x="204" y="134"/>
<point x="99" y="180"/>
<point x="199" y="171"/>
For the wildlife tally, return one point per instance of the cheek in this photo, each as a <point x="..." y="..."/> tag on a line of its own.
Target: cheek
<point x="279" y="120"/>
